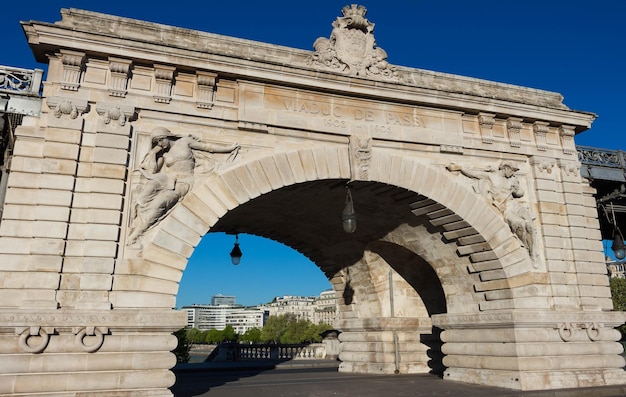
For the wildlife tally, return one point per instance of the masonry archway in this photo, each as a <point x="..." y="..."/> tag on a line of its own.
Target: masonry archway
<point x="477" y="234"/>
<point x="404" y="239"/>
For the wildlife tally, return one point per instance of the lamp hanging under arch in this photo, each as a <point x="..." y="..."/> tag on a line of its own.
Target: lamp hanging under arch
<point x="235" y="253"/>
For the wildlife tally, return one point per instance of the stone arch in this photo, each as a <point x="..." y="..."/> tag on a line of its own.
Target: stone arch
<point x="480" y="233"/>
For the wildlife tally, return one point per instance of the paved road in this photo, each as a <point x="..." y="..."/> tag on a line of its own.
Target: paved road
<point x="303" y="381"/>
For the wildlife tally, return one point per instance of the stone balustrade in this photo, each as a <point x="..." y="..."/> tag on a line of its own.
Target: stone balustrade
<point x="234" y="352"/>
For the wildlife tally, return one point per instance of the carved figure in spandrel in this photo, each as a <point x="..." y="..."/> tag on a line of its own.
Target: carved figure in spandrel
<point x="502" y="189"/>
<point x="169" y="169"/>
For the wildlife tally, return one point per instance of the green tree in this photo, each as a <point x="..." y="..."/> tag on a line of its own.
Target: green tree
<point x="618" y="294"/>
<point x="314" y="332"/>
<point x="288" y="329"/>
<point x="228" y="334"/>
<point x="213" y="336"/>
<point x="295" y="332"/>
<point x="275" y="327"/>
<point x="196" y="336"/>
<point x="252" y="335"/>
<point x="184" y="346"/>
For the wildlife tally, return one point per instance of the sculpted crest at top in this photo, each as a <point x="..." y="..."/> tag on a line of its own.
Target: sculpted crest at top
<point x="351" y="48"/>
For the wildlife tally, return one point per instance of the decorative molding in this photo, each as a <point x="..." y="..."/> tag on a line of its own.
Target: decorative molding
<point x="541" y="131"/>
<point x="360" y="156"/>
<point x="115" y="113"/>
<point x="120" y="71"/>
<point x="543" y="164"/>
<point x="67" y="320"/>
<point x="451" y="149"/>
<point x="514" y="126"/>
<point x="531" y="319"/>
<point x="570" y="170"/>
<point x="67" y="107"/>
<point x="206" y="89"/>
<point x="566" y="132"/>
<point x="249" y="126"/>
<point x="486" y="122"/>
<point x="163" y="76"/>
<point x="73" y="65"/>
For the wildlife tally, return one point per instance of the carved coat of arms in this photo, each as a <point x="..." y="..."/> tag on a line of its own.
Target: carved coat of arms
<point x="352" y="48"/>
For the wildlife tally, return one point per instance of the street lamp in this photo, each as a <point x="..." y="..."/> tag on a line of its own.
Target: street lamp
<point x="348" y="216"/>
<point x="236" y="254"/>
<point x="618" y="244"/>
<point x="619" y="250"/>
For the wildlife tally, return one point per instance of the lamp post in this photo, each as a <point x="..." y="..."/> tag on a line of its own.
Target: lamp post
<point x="236" y="254"/>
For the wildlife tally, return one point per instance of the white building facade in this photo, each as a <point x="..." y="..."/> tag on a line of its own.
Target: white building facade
<point x="317" y="309"/>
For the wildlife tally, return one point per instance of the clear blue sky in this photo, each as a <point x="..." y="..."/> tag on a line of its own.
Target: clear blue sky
<point x="576" y="48"/>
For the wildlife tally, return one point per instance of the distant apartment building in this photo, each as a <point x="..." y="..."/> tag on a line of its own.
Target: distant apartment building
<point x="317" y="309"/>
<point x="325" y="308"/>
<point x="249" y="317"/>
<point x="220" y="299"/>
<point x="224" y="311"/>
<point x="616" y="269"/>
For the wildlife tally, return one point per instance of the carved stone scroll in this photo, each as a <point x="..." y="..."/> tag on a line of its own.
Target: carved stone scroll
<point x="73" y="64"/>
<point x="163" y="76"/>
<point x="206" y="89"/>
<point x="120" y="70"/>
<point x="360" y="156"/>
<point x="541" y="135"/>
<point x="567" y="133"/>
<point x="486" y="121"/>
<point x="514" y="126"/>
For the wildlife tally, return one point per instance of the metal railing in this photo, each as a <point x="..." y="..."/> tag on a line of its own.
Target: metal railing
<point x="24" y="81"/>
<point x="601" y="157"/>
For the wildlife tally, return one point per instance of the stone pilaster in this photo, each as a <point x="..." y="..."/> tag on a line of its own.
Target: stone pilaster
<point x="94" y="229"/>
<point x="36" y="215"/>
<point x="586" y="240"/>
<point x="557" y="243"/>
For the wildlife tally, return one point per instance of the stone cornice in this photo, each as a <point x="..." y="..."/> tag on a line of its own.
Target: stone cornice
<point x="119" y="319"/>
<point x="527" y="319"/>
<point x="128" y="38"/>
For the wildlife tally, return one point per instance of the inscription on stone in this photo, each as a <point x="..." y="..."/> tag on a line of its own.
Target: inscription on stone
<point x="345" y="116"/>
<point x="348" y="116"/>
